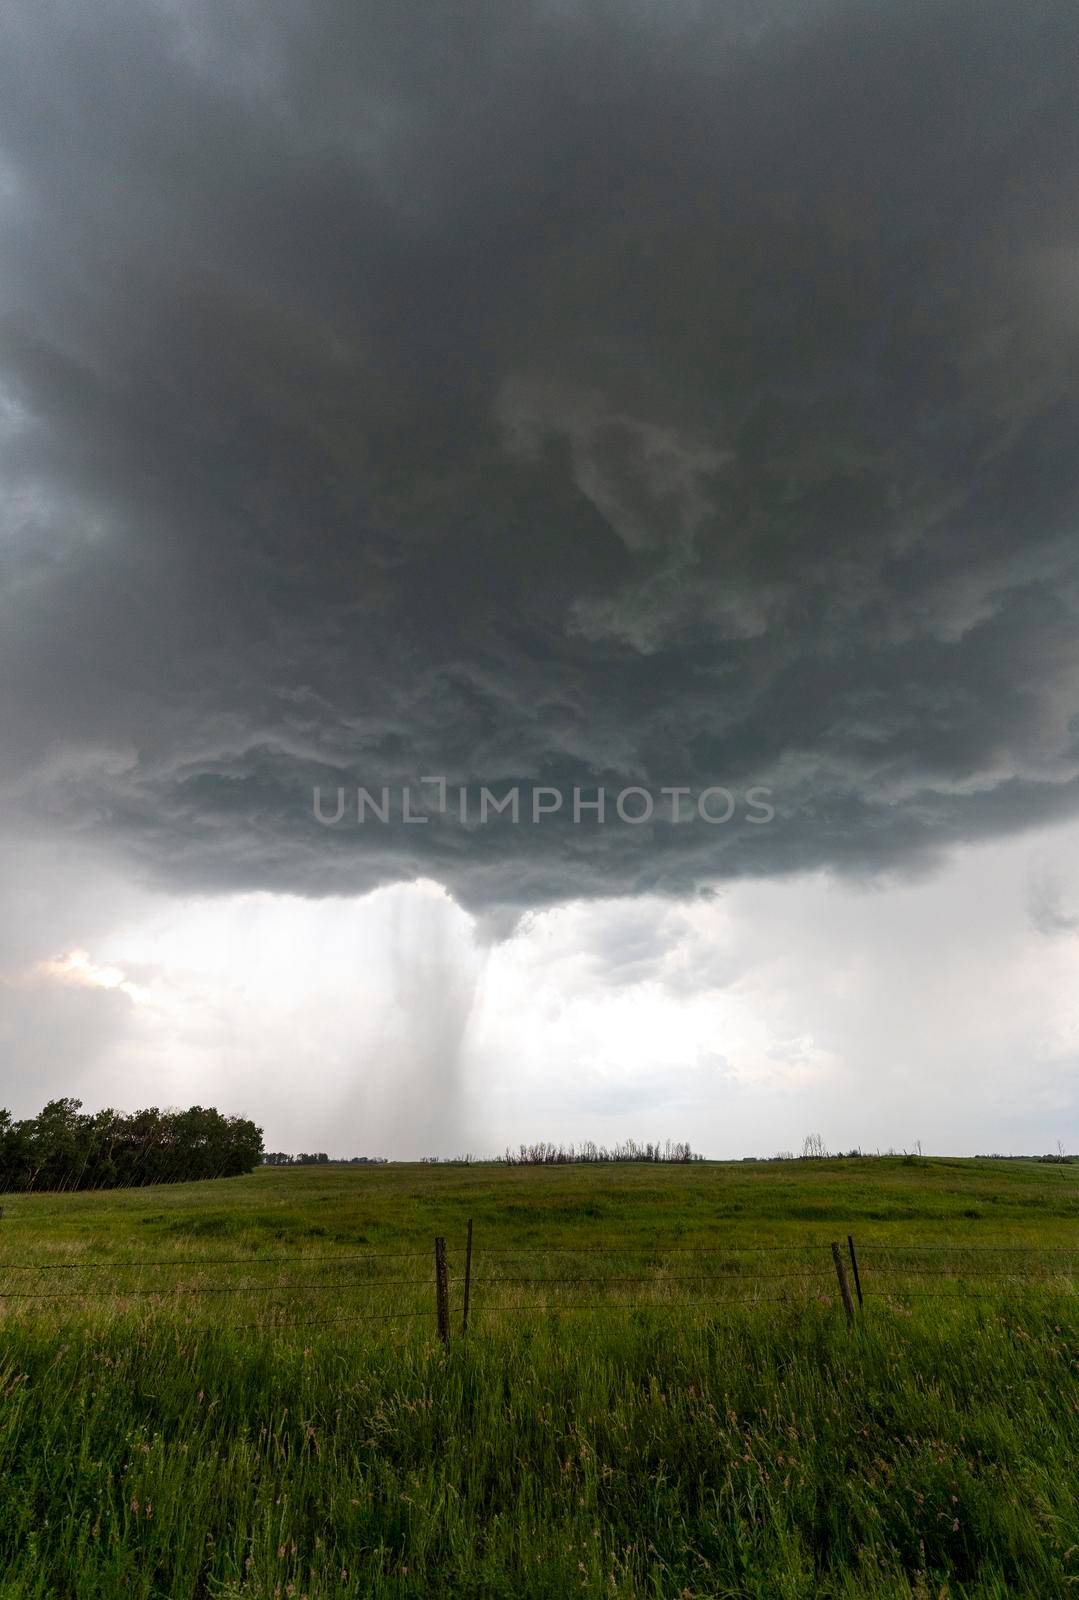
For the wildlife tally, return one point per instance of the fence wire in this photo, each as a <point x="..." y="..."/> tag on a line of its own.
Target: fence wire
<point x="889" y="1272"/>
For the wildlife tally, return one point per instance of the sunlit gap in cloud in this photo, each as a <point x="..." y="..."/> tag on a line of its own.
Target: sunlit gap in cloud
<point x="77" y="968"/>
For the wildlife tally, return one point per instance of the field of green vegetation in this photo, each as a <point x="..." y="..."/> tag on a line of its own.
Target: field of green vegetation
<point x="236" y="1388"/>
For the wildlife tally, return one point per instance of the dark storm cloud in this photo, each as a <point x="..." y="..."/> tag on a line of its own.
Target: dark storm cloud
<point x="566" y="393"/>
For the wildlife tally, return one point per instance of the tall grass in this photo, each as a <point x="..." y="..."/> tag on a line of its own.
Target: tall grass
<point x="300" y="1437"/>
<point x="756" y="1454"/>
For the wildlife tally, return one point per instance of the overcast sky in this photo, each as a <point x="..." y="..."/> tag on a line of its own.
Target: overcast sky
<point x="641" y="396"/>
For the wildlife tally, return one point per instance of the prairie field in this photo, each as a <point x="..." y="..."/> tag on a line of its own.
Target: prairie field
<point x="238" y="1388"/>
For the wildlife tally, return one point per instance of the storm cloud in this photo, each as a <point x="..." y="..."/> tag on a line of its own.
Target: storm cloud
<point x="542" y="394"/>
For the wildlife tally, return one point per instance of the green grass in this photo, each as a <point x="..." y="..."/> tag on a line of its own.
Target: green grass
<point x="301" y="1432"/>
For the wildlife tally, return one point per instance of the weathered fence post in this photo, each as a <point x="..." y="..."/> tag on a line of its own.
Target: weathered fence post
<point x="844" y="1287"/>
<point x="854" y="1264"/>
<point x="442" y="1290"/>
<point x="468" y="1277"/>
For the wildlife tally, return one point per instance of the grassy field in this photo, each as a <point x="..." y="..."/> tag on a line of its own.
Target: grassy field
<point x="235" y="1389"/>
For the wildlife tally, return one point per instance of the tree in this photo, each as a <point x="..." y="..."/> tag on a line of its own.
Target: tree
<point x="65" y="1148"/>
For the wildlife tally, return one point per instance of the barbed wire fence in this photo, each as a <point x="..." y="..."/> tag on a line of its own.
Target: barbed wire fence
<point x="526" y="1280"/>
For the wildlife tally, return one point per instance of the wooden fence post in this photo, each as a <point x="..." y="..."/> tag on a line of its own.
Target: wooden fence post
<point x="468" y="1277"/>
<point x="442" y="1291"/>
<point x="854" y="1264"/>
<point x="844" y="1287"/>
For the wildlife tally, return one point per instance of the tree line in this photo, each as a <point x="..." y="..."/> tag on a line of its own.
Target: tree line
<point x="64" y="1147"/>
<point x="542" y="1155"/>
<point x="281" y="1158"/>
